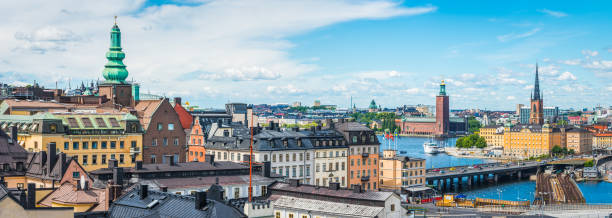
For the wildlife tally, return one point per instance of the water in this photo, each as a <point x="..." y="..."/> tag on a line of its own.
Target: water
<point x="414" y="148"/>
<point x="594" y="192"/>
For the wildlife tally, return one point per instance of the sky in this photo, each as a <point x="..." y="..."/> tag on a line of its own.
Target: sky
<point x="212" y="52"/>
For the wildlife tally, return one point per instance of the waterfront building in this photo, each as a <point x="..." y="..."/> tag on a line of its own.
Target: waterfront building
<point x="331" y="152"/>
<point x="363" y="155"/>
<point x="523" y="141"/>
<point x="298" y="200"/>
<point x="580" y="141"/>
<point x="91" y="138"/>
<point x="400" y="172"/>
<point x="441" y="124"/>
<point x="163" y="132"/>
<point x="602" y="141"/>
<point x="493" y="134"/>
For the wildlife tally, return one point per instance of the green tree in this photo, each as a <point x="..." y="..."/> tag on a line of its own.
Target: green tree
<point x="589" y="163"/>
<point x="557" y="150"/>
<point x="473" y="124"/>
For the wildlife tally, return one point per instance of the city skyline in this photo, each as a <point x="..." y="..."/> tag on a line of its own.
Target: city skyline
<point x="213" y="52"/>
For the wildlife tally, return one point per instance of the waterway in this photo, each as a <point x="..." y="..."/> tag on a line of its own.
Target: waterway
<point x="594" y="192"/>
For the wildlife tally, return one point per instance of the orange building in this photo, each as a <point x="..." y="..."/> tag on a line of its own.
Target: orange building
<point x="196" y="136"/>
<point x="363" y="155"/>
<point x="196" y="153"/>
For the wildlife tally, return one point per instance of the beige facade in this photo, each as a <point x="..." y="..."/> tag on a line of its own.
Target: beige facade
<point x="330" y="166"/>
<point x="581" y="141"/>
<point x="397" y="172"/>
<point x="602" y="141"/>
<point x="494" y="135"/>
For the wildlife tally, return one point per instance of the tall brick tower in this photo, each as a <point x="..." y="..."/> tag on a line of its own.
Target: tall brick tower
<point x="536" y="115"/>
<point x="442" y="121"/>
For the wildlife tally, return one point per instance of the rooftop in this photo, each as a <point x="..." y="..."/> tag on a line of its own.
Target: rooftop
<point x="341" y="209"/>
<point x="324" y="191"/>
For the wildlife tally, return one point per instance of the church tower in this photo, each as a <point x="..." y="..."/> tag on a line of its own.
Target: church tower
<point x="536" y="115"/>
<point x="442" y="111"/>
<point x="115" y="88"/>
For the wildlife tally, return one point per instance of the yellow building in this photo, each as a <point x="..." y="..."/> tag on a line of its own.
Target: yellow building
<point x="93" y="138"/>
<point x="11" y="207"/>
<point x="397" y="172"/>
<point x="524" y="141"/>
<point x="602" y="141"/>
<point x="580" y="140"/>
<point x="494" y="135"/>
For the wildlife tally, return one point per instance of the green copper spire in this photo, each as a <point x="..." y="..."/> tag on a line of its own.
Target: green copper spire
<point x="442" y="89"/>
<point x="114" y="70"/>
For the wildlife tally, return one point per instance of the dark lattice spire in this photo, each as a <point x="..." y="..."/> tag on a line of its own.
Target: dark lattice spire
<point x="536" y="88"/>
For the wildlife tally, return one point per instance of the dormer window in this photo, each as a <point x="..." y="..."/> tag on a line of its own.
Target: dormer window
<point x="317" y="143"/>
<point x="285" y="142"/>
<point x="299" y="142"/>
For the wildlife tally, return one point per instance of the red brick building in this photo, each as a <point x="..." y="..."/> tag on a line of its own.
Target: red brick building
<point x="164" y="134"/>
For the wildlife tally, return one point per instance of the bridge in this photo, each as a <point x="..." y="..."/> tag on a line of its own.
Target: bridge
<point x="454" y="176"/>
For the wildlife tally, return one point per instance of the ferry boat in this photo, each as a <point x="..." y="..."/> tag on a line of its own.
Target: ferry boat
<point x="432" y="148"/>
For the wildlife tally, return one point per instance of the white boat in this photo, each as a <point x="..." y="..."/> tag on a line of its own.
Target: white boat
<point x="431" y="148"/>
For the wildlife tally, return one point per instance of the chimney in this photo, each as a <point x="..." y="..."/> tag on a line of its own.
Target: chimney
<point x="14" y="134"/>
<point x="334" y="185"/>
<point x="271" y="125"/>
<point x="78" y="184"/>
<point x="265" y="169"/>
<point x="200" y="200"/>
<point x="51" y="155"/>
<point x="139" y="165"/>
<point x="23" y="199"/>
<point x="357" y="188"/>
<point x="143" y="191"/>
<point x="31" y="199"/>
<point x="85" y="185"/>
<point x="118" y="176"/>
<point x="163" y="189"/>
<point x="219" y="123"/>
<point x="294" y="182"/>
<point x="177" y="100"/>
<point x="112" y="163"/>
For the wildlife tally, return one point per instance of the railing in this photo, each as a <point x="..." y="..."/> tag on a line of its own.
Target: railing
<point x="535" y="208"/>
<point x="134" y="150"/>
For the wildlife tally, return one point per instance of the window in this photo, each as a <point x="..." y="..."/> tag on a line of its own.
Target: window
<point x="290" y="215"/>
<point x="352" y="173"/>
<point x="170" y="126"/>
<point x="84" y="159"/>
<point x="294" y="171"/>
<point x="113" y="157"/>
<point x="113" y="122"/>
<point x="154" y="142"/>
<point x="165" y="141"/>
<point x="176" y="140"/>
<point x="75" y="145"/>
<point x="153" y="159"/>
<point x="73" y="123"/>
<point x="87" y="122"/>
<point x="307" y="156"/>
<point x="265" y="158"/>
<point x="160" y="126"/>
<point x="287" y="171"/>
<point x="277" y="215"/>
<point x="392" y="207"/>
<point x="287" y="157"/>
<point x="100" y="122"/>
<point x="76" y="175"/>
<point x="264" y="190"/>
<point x="354" y="139"/>
<point x="352" y="162"/>
<point x="280" y="158"/>
<point x="294" y="159"/>
<point x="113" y="145"/>
<point x="236" y="193"/>
<point x="94" y="159"/>
<point x="273" y="158"/>
<point x="103" y="160"/>
<point x="85" y="145"/>
<point x="342" y="165"/>
<point x="94" y="145"/>
<point x="66" y="145"/>
<point x="301" y="157"/>
<point x="308" y="170"/>
<point x="121" y="144"/>
<point x="104" y="145"/>
<point x="317" y="168"/>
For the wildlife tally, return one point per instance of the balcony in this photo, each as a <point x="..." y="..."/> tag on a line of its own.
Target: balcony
<point x="365" y="155"/>
<point x="134" y="150"/>
<point x="365" y="178"/>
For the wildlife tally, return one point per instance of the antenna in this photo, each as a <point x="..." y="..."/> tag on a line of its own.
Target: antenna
<point x="115" y="19"/>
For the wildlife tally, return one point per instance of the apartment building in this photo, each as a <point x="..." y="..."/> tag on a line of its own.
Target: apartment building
<point x="363" y="154"/>
<point x="400" y="172"/>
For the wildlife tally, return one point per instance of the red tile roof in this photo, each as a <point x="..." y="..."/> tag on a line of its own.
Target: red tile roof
<point x="184" y="116"/>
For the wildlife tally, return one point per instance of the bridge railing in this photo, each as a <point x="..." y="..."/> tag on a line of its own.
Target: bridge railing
<point x="532" y="208"/>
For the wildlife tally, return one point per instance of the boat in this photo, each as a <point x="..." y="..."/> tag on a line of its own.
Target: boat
<point x="431" y="148"/>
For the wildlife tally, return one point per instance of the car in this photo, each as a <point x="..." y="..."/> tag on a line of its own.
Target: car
<point x="452" y="168"/>
<point x="435" y="170"/>
<point x="441" y="171"/>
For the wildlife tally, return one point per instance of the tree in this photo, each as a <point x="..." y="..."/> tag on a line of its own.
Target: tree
<point x="556" y="150"/>
<point x="473" y="124"/>
<point x="470" y="141"/>
<point x="481" y="142"/>
<point x="589" y="163"/>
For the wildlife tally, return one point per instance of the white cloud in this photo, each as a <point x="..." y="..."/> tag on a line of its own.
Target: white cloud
<point x="609" y="88"/>
<point x="173" y="48"/>
<point x="513" y="36"/>
<point x="571" y="62"/>
<point x="413" y="90"/>
<point x="598" y="65"/>
<point x="468" y="76"/>
<point x="288" y="89"/>
<point x="510" y="97"/>
<point x="566" y="76"/>
<point x="552" y="13"/>
<point x="590" y="53"/>
<point x="394" y="73"/>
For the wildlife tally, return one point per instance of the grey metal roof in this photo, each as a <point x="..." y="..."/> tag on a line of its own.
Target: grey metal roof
<point x="327" y="207"/>
<point x="268" y="140"/>
<point x="168" y="205"/>
<point x="324" y="191"/>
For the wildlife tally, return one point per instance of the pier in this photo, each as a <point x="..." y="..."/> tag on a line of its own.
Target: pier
<point x="453" y="177"/>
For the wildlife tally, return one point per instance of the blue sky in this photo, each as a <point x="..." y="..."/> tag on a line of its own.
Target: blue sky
<point x="212" y="52"/>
